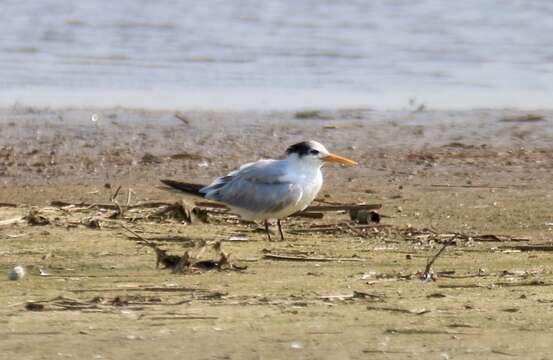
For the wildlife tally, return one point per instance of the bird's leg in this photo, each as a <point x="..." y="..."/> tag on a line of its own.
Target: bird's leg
<point x="267" y="230"/>
<point x="280" y="230"/>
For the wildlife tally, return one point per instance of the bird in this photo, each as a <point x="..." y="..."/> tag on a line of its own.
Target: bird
<point x="269" y="188"/>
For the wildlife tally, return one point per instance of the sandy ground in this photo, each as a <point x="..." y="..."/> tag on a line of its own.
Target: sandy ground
<point x="473" y="173"/>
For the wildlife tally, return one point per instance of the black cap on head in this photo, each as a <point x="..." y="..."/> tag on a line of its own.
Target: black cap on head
<point x="301" y="148"/>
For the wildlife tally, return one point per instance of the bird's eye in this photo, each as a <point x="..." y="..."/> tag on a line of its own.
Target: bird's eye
<point x="314" y="152"/>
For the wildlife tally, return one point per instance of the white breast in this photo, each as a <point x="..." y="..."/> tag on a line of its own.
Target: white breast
<point x="311" y="189"/>
<point x="310" y="183"/>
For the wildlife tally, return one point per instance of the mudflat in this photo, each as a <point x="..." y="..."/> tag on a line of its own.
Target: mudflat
<point x="477" y="180"/>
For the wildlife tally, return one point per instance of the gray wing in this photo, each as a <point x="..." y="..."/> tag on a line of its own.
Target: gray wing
<point x="257" y="187"/>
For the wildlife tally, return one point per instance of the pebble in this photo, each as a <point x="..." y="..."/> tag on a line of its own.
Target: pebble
<point x="17" y="273"/>
<point x="296" y="345"/>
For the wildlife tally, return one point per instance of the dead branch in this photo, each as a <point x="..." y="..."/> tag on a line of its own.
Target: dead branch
<point x="168" y="261"/>
<point x="129" y="194"/>
<point x="535" y="282"/>
<point x="340" y="227"/>
<point x="182" y="118"/>
<point x="119" y="212"/>
<point x="460" y="286"/>
<point x="495" y="238"/>
<point x="426" y="332"/>
<point x="3" y="204"/>
<point x="533" y="247"/>
<point x="309" y="209"/>
<point x="179" y="264"/>
<point x="473" y="186"/>
<point x="34" y="218"/>
<point x="427" y="274"/>
<point x="148" y="204"/>
<point x="308" y="215"/>
<point x="11" y="221"/>
<point x="355" y="295"/>
<point x="523" y="118"/>
<point x="179" y="211"/>
<point x="398" y="310"/>
<point x="311" y="212"/>
<point x="114" y="195"/>
<point x="339" y="207"/>
<point x="182" y="317"/>
<point x="306" y="258"/>
<point x="149" y="289"/>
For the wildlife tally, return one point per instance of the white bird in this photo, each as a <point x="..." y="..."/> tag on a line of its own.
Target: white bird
<point x="273" y="189"/>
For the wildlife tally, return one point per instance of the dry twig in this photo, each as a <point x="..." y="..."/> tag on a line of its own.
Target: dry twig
<point x="307" y="258"/>
<point x="427" y="274"/>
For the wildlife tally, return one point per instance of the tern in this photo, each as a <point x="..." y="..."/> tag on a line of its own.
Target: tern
<point x="273" y="189"/>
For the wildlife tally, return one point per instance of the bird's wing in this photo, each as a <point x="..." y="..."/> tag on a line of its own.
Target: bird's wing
<point x="257" y="187"/>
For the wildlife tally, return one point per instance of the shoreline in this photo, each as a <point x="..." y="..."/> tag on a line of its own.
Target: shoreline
<point x="279" y="99"/>
<point x="444" y="173"/>
<point x="65" y="147"/>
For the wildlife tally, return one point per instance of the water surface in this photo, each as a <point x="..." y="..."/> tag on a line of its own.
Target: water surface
<point x="277" y="54"/>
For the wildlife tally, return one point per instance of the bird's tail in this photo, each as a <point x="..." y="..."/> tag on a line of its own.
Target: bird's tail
<point x="189" y="188"/>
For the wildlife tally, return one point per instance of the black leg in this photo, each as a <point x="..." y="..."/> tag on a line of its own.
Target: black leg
<point x="280" y="230"/>
<point x="267" y="230"/>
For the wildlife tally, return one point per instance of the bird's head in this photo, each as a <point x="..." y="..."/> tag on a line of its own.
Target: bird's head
<point x="315" y="153"/>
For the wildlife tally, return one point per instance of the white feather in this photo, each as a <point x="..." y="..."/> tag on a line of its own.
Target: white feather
<point x="269" y="189"/>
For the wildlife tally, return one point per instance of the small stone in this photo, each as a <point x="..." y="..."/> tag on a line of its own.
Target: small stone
<point x="17" y="273"/>
<point x="296" y="345"/>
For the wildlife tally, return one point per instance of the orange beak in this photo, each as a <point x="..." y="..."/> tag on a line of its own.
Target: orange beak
<point x="339" y="159"/>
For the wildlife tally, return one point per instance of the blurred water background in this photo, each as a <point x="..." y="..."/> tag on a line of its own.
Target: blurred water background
<point x="277" y="54"/>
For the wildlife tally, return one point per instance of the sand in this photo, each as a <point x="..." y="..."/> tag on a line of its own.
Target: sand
<point x="471" y="172"/>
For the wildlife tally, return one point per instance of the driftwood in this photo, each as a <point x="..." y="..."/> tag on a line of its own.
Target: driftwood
<point x="3" y="204"/>
<point x="497" y="284"/>
<point x="429" y="234"/>
<point x="523" y="118"/>
<point x="426" y="332"/>
<point x="149" y="204"/>
<point x="311" y="212"/>
<point x="427" y="273"/>
<point x="497" y="238"/>
<point x="100" y="304"/>
<point x="466" y="186"/>
<point x="286" y="257"/>
<point x="15" y="220"/>
<point x="168" y="261"/>
<point x="308" y="215"/>
<point x="339" y="207"/>
<point x="398" y="310"/>
<point x="309" y="209"/>
<point x="179" y="264"/>
<point x="532" y="247"/>
<point x="34" y="218"/>
<point x="201" y="211"/>
<point x="182" y="118"/>
<point x="181" y="317"/>
<point x="149" y="289"/>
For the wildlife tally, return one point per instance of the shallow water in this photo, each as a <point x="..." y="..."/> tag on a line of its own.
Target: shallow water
<point x="277" y="54"/>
